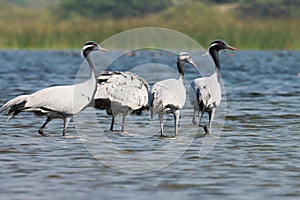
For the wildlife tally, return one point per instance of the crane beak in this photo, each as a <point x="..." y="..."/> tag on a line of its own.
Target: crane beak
<point x="231" y="48"/>
<point x="192" y="62"/>
<point x="102" y="49"/>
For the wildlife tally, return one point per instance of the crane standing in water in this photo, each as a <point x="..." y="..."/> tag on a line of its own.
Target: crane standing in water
<point x="58" y="101"/>
<point x="121" y="92"/>
<point x="205" y="93"/>
<point x="168" y="96"/>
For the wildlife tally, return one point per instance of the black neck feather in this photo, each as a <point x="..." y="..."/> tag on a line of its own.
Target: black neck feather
<point x="215" y="56"/>
<point x="180" y="66"/>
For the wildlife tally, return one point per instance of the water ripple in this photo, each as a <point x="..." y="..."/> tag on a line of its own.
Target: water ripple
<point x="257" y="156"/>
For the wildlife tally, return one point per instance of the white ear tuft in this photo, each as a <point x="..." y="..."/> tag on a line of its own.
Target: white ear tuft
<point x="206" y="53"/>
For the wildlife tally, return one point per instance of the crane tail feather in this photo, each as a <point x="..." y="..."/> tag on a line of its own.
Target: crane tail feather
<point x="16" y="109"/>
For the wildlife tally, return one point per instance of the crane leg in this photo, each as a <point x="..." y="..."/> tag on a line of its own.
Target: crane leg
<point x="123" y="122"/>
<point x="204" y="128"/>
<point x="196" y="115"/>
<point x="211" y="116"/>
<point x="161" y="119"/>
<point x="112" y="123"/>
<point x="41" y="130"/>
<point x="66" y="123"/>
<point x="176" y="119"/>
<point x="202" y="124"/>
<point x="202" y="112"/>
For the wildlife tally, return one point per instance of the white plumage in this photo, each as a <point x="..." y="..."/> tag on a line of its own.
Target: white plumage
<point x="121" y="93"/>
<point x="205" y="93"/>
<point x="168" y="96"/>
<point x="58" y="101"/>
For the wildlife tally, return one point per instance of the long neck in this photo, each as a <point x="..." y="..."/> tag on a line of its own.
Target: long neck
<point x="215" y="56"/>
<point x="93" y="79"/>
<point x="92" y="68"/>
<point x="180" y="66"/>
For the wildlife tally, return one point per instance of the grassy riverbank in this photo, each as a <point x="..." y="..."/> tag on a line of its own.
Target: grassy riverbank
<point x="41" y="29"/>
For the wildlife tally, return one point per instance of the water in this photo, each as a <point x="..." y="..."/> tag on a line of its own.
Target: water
<point x="257" y="155"/>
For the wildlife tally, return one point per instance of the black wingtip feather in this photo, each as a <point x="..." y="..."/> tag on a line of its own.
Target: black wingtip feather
<point x="16" y="109"/>
<point x="103" y="104"/>
<point x="140" y="110"/>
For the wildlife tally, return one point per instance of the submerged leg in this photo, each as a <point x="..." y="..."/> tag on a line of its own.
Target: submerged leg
<point x="66" y="123"/>
<point x="204" y="128"/>
<point x="161" y="119"/>
<point x="211" y="116"/>
<point x="176" y="119"/>
<point x="202" y="124"/>
<point x="41" y="130"/>
<point x="112" y="123"/>
<point x="123" y="121"/>
<point x="196" y="115"/>
<point x="202" y="112"/>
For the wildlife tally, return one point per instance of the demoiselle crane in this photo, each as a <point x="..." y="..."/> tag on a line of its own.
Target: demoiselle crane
<point x="121" y="93"/>
<point x="58" y="101"/>
<point x="205" y="93"/>
<point x="168" y="96"/>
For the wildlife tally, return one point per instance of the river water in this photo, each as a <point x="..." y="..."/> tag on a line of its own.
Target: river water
<point x="252" y="153"/>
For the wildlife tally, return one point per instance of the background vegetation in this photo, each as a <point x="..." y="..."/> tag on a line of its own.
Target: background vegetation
<point x="61" y="24"/>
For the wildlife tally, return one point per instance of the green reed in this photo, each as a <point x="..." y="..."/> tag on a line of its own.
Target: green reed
<point x="39" y="29"/>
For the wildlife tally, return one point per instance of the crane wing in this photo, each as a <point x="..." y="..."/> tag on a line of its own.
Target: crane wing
<point x="205" y="92"/>
<point x="123" y="88"/>
<point x="200" y="94"/>
<point x="166" y="94"/>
